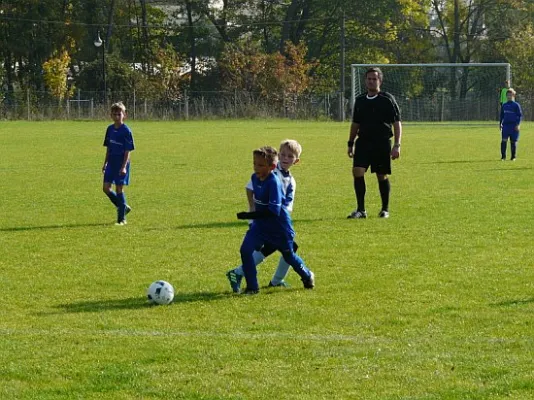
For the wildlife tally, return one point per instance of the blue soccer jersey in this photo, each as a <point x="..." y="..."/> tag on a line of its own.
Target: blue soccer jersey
<point x="289" y="186"/>
<point x="268" y="196"/>
<point x="511" y="113"/>
<point x="118" y="140"/>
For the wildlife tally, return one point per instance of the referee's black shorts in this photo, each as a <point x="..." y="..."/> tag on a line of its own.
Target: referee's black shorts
<point x="373" y="153"/>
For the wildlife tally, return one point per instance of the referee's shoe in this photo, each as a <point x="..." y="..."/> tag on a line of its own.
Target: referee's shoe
<point x="357" y="214"/>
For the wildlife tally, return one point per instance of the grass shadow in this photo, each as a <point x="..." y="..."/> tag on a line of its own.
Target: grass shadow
<point x="517" y="302"/>
<point x="130" y="303"/>
<point x="134" y="303"/>
<point x="51" y="227"/>
<point x="459" y="162"/>
<point x="230" y="224"/>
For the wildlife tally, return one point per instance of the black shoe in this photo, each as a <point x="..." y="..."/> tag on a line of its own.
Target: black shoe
<point x="250" y="292"/>
<point x="310" y="282"/>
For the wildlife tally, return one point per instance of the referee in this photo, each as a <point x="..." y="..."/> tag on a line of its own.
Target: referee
<point x="375" y="114"/>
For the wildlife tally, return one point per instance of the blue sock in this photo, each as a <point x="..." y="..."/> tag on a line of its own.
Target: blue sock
<point x="121" y="206"/>
<point x="513" y="147"/>
<point x="113" y="197"/>
<point x="503" y="149"/>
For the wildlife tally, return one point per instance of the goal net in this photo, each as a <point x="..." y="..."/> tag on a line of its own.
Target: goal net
<point x="440" y="92"/>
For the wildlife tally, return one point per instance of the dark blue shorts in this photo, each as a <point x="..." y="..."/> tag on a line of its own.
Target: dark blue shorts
<point x="508" y="131"/>
<point x="112" y="173"/>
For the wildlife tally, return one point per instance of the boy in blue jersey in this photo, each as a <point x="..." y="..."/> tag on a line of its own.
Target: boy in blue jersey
<point x="289" y="155"/>
<point x="509" y="123"/>
<point x="271" y="226"/>
<point x="119" y="143"/>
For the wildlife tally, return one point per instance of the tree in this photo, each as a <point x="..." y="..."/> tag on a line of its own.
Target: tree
<point x="56" y="73"/>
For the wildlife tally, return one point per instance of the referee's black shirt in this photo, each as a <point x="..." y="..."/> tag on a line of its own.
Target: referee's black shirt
<point x="376" y="116"/>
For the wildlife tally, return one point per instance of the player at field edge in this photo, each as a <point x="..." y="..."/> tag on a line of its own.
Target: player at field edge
<point x="510" y="122"/>
<point x="369" y="145"/>
<point x="289" y="155"/>
<point x="271" y="226"/>
<point x="503" y="99"/>
<point x="119" y="144"/>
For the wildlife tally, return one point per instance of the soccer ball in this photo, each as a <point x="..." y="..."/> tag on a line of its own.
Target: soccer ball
<point x="160" y="292"/>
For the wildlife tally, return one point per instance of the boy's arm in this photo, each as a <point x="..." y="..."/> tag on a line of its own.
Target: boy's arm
<point x="125" y="162"/>
<point x="105" y="159"/>
<point x="250" y="199"/>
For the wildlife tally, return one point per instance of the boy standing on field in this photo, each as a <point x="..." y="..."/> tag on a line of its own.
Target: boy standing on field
<point x="272" y="226"/>
<point x="509" y="123"/>
<point x="116" y="168"/>
<point x="289" y="155"/>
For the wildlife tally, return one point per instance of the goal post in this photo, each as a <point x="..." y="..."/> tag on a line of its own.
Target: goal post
<point x="440" y="91"/>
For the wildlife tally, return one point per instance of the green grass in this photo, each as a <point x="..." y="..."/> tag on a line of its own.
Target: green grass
<point x="435" y="303"/>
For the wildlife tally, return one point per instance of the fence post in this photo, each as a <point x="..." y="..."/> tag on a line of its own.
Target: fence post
<point x="186" y="105"/>
<point x="442" y="105"/>
<point x="145" y="108"/>
<point x="28" y="103"/>
<point x="79" y="101"/>
<point x="235" y="103"/>
<point x="134" y="103"/>
<point x="92" y="109"/>
<point x="68" y="108"/>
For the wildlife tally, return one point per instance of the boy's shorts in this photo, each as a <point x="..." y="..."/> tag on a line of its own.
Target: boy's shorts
<point x="510" y="132"/>
<point x="376" y="154"/>
<point x="112" y="173"/>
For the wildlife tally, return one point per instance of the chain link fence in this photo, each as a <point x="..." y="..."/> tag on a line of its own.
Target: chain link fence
<point x="87" y="105"/>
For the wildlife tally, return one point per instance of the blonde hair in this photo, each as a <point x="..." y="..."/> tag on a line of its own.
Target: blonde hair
<point x="293" y="146"/>
<point x="268" y="153"/>
<point x="118" y="106"/>
<point x="511" y="91"/>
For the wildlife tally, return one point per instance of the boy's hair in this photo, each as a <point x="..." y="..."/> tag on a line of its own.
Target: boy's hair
<point x="118" y="106"/>
<point x="268" y="153"/>
<point x="377" y="70"/>
<point x="293" y="146"/>
<point x="511" y="91"/>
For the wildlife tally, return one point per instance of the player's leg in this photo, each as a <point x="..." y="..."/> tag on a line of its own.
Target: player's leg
<point x="514" y="138"/>
<point x="307" y="276"/>
<point x="360" y="163"/>
<point x="381" y="165"/>
<point x="504" y="142"/>
<point x="106" y="187"/>
<point x="235" y="276"/>
<point x="122" y="206"/>
<point x="252" y="242"/>
<point x="281" y="271"/>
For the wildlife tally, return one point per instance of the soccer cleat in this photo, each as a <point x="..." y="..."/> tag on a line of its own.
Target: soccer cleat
<point x="310" y="282"/>
<point x="383" y="214"/>
<point x="357" y="214"/>
<point x="503" y="159"/>
<point x="121" y="223"/>
<point x="235" y="280"/>
<point x="250" y="292"/>
<point x="127" y="210"/>
<point x="283" y="284"/>
<point x="512" y="159"/>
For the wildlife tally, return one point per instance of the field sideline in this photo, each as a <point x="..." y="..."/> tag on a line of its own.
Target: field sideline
<point x="436" y="302"/>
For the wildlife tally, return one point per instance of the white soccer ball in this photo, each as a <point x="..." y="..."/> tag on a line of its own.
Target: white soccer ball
<point x="160" y="292"/>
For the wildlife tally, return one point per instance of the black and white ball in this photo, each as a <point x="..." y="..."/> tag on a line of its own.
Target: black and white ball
<point x="160" y="292"/>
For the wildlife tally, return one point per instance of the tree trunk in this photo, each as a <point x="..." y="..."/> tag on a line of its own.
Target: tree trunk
<point x="192" y="44"/>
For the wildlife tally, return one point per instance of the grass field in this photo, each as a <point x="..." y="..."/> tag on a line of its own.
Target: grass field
<point x="437" y="302"/>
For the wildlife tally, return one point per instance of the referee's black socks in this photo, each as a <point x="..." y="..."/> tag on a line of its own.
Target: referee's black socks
<point x="384" y="188"/>
<point x="359" y="189"/>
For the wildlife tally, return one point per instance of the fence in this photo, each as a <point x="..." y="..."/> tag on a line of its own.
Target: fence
<point x="87" y="105"/>
<point x="191" y="105"/>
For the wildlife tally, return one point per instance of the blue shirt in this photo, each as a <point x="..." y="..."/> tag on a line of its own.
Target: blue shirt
<point x="268" y="195"/>
<point x="118" y="140"/>
<point x="511" y="113"/>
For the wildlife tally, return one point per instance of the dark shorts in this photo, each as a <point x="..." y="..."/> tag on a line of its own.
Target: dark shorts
<point x="376" y="154"/>
<point x="508" y="131"/>
<point x="112" y="173"/>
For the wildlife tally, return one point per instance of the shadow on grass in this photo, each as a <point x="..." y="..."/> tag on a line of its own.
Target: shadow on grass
<point x="51" y="227"/>
<point x="459" y="161"/>
<point x="229" y="224"/>
<point x="133" y="303"/>
<point x="517" y="302"/>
